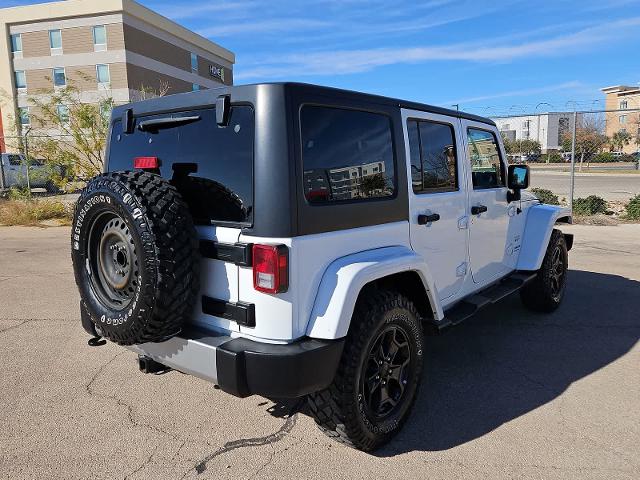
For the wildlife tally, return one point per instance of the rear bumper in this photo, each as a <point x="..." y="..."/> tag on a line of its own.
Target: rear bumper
<point x="243" y="367"/>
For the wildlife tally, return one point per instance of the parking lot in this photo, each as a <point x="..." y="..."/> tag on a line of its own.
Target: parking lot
<point x="507" y="394"/>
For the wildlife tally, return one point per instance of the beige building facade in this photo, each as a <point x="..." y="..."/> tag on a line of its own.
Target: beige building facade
<point x="115" y="48"/>
<point x="622" y="104"/>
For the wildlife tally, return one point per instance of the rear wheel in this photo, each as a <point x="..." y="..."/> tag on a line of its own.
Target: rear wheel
<point x="545" y="292"/>
<point x="377" y="380"/>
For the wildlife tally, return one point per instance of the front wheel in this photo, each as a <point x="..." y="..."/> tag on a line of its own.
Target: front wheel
<point x="546" y="291"/>
<point x="378" y="376"/>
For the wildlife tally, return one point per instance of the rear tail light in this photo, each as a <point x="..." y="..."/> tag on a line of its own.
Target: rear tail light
<point x="146" y="163"/>
<point x="271" y="268"/>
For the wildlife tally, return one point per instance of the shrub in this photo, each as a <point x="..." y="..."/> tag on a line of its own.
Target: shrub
<point x="32" y="212"/>
<point x="633" y="208"/>
<point x="546" y="196"/>
<point x="553" y="157"/>
<point x="604" y="157"/>
<point x="591" y="205"/>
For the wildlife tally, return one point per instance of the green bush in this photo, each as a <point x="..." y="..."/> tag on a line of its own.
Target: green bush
<point x="604" y="157"/>
<point x="553" y="157"/>
<point x="633" y="208"/>
<point x="591" y="205"/>
<point x="546" y="196"/>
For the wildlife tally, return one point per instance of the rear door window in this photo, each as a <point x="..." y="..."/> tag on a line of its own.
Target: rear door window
<point x="347" y="155"/>
<point x="212" y="166"/>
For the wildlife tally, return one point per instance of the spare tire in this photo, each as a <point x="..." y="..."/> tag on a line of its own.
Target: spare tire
<point x="135" y="257"/>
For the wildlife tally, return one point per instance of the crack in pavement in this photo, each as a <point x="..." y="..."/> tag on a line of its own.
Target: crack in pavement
<point x="144" y="464"/>
<point x="14" y="326"/>
<point x="610" y="250"/>
<point x="130" y="416"/>
<point x="282" y="432"/>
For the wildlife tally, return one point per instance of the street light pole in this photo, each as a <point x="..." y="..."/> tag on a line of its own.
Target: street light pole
<point x="26" y="156"/>
<point x="573" y="160"/>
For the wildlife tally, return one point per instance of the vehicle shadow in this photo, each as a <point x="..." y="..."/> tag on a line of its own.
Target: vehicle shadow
<point x="507" y="361"/>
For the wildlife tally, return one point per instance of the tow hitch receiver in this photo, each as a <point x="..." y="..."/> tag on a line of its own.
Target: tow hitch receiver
<point x="149" y="365"/>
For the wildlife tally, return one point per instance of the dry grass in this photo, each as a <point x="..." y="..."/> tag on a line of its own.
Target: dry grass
<point x="35" y="212"/>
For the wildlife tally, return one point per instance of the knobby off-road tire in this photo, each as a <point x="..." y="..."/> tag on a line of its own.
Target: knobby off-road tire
<point x="545" y="292"/>
<point x="135" y="257"/>
<point x="346" y="411"/>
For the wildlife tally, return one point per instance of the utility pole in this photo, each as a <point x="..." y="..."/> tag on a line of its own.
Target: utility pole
<point x="26" y="156"/>
<point x="573" y="159"/>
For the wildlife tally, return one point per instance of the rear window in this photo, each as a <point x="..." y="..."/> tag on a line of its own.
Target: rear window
<point x="347" y="155"/>
<point x="221" y="188"/>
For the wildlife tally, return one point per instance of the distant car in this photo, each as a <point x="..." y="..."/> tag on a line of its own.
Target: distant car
<point x="13" y="173"/>
<point x="617" y="154"/>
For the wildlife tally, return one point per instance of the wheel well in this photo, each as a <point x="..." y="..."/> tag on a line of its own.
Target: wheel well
<point x="408" y="284"/>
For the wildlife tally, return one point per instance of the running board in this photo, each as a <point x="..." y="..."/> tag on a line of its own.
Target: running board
<point x="493" y="294"/>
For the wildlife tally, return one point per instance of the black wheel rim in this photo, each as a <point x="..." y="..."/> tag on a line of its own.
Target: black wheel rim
<point x="557" y="273"/>
<point x="112" y="261"/>
<point x="386" y="373"/>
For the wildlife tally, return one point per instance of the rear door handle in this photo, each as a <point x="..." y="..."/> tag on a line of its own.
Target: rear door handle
<point x="478" y="209"/>
<point x="424" y="219"/>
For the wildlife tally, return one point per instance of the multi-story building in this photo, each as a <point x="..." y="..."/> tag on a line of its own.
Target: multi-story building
<point x="114" y="47"/>
<point x="546" y="128"/>
<point x="344" y="183"/>
<point x="622" y="106"/>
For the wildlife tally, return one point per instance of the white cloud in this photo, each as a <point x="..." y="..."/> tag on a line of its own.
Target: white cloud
<point x="342" y="62"/>
<point x="518" y="93"/>
<point x="263" y="26"/>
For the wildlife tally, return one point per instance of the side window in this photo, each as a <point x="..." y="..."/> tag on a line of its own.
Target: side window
<point x="433" y="157"/>
<point x="487" y="170"/>
<point x="346" y="155"/>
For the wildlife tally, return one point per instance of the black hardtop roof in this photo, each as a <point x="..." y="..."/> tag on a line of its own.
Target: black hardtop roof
<point x="208" y="97"/>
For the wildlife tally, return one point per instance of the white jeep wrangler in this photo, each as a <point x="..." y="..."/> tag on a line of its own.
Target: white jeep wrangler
<point x="291" y="240"/>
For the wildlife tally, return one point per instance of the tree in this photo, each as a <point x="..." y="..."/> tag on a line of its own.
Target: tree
<point x="620" y="139"/>
<point x="589" y="138"/>
<point x="80" y="128"/>
<point x="70" y="133"/>
<point x="524" y="147"/>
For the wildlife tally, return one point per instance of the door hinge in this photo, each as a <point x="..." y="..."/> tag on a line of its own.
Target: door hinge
<point x="463" y="222"/>
<point x="461" y="271"/>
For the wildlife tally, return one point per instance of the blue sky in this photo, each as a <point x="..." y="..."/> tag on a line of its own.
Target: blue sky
<point x="490" y="57"/>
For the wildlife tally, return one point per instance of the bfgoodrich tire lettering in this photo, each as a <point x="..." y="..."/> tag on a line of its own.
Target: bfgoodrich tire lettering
<point x="342" y="410"/>
<point x="135" y="257"/>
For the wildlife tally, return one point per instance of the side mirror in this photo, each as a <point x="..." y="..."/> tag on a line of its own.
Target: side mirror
<point x="517" y="179"/>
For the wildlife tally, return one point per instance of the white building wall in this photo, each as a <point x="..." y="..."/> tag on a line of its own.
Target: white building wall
<point x="543" y="128"/>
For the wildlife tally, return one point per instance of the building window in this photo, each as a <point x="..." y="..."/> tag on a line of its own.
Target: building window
<point x="21" y="80"/>
<point x="194" y="63"/>
<point x="23" y="115"/>
<point x="59" y="77"/>
<point x="63" y="113"/>
<point x="624" y="105"/>
<point x="99" y="38"/>
<point x="16" y="45"/>
<point x="55" y="42"/>
<point x="102" y="74"/>
<point x="622" y="119"/>
<point x="433" y="157"/>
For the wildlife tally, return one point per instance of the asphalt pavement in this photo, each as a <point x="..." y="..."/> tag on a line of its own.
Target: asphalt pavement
<point x="610" y="186"/>
<point x="507" y="394"/>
